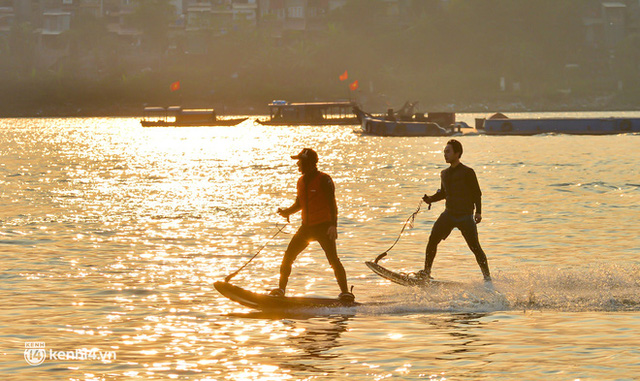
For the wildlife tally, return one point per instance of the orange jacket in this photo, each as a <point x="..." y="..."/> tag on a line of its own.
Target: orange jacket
<point x="317" y="199"/>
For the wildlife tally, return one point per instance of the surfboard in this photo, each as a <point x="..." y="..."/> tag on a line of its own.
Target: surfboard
<point x="406" y="279"/>
<point x="265" y="302"/>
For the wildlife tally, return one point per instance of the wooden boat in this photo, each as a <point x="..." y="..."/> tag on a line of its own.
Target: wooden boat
<point x="176" y="116"/>
<point x="283" y="113"/>
<point x="499" y="124"/>
<point x="418" y="125"/>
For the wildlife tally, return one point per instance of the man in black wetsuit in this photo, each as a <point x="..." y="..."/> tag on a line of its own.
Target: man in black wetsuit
<point x="316" y="198"/>
<point x="459" y="186"/>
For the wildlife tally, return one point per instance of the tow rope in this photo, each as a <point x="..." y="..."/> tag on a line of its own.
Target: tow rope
<point x="409" y="223"/>
<point x="228" y="277"/>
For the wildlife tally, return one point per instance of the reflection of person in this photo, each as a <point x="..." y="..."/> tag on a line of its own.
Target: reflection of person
<point x="317" y="338"/>
<point x="316" y="199"/>
<point x="459" y="186"/>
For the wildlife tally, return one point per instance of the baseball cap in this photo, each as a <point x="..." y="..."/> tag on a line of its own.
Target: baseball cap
<point x="307" y="154"/>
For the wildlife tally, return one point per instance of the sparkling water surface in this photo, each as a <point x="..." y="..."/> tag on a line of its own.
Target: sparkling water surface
<point x="112" y="235"/>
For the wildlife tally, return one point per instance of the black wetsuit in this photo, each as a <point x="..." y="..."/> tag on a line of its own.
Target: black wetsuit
<point x="459" y="186"/>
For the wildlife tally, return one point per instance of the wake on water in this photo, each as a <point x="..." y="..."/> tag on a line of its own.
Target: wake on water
<point x="610" y="288"/>
<point x="595" y="288"/>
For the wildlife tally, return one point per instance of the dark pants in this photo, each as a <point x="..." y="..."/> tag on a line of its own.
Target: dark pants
<point x="441" y="230"/>
<point x="303" y="237"/>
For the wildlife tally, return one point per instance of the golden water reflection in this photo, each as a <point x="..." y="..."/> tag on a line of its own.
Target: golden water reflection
<point x="112" y="236"/>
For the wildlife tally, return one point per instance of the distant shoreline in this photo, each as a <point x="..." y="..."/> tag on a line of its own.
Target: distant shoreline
<point x="128" y="110"/>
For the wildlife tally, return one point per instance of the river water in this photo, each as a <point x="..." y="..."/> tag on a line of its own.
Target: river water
<point x="111" y="236"/>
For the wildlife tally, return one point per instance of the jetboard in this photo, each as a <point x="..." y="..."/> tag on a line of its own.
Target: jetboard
<point x="267" y="302"/>
<point x="406" y="279"/>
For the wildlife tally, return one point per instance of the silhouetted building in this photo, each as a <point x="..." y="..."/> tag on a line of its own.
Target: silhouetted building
<point x="606" y="23"/>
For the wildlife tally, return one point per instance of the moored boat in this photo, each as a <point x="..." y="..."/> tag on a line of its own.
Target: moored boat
<point x="176" y="116"/>
<point x="283" y="113"/>
<point x="418" y="125"/>
<point x="499" y="124"/>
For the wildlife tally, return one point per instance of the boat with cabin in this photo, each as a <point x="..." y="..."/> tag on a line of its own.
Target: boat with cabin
<point x="283" y="113"/>
<point x="416" y="124"/>
<point x="176" y="116"/>
<point x="500" y="124"/>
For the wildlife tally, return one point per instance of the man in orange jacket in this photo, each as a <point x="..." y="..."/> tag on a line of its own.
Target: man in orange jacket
<point x="317" y="201"/>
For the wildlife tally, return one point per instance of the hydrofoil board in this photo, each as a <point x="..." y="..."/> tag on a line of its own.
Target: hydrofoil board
<point x="406" y="279"/>
<point x="267" y="302"/>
